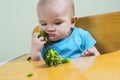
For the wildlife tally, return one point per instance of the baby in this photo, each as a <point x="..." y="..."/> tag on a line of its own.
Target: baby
<point x="56" y="18"/>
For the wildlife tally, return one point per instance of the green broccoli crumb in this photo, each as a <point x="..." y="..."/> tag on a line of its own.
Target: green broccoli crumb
<point x="29" y="74"/>
<point x="29" y="59"/>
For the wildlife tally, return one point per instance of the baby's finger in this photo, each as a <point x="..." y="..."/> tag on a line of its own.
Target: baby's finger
<point x="91" y="53"/>
<point x="82" y="55"/>
<point x="41" y="38"/>
<point x="85" y="53"/>
<point x="35" y="35"/>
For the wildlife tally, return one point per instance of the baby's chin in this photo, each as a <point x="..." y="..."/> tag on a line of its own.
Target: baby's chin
<point x="53" y="39"/>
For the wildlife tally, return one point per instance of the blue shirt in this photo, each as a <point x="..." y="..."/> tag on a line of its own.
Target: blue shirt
<point x="73" y="45"/>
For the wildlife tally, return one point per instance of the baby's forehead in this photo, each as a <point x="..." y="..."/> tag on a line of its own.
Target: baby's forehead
<point x="59" y="5"/>
<point x="54" y="3"/>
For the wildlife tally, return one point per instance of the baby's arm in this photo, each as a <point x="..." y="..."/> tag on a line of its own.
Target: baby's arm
<point x="90" y="52"/>
<point x="36" y="46"/>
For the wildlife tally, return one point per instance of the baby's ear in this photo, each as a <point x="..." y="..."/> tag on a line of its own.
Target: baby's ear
<point x="74" y="20"/>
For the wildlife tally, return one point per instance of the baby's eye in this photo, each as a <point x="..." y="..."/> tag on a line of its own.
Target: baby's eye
<point x="58" y="23"/>
<point x="44" y="24"/>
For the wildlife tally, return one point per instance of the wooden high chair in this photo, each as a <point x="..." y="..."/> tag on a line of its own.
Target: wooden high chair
<point x="105" y="28"/>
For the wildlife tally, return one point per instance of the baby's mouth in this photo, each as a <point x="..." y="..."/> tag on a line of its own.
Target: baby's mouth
<point x="51" y="35"/>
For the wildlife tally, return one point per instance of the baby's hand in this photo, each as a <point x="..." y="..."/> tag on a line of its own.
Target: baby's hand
<point x="88" y="52"/>
<point x="37" y="43"/>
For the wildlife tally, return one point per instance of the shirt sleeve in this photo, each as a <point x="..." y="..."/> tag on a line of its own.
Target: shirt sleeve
<point x="89" y="41"/>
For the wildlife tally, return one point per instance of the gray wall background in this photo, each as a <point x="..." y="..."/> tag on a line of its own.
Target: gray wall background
<point x="18" y="18"/>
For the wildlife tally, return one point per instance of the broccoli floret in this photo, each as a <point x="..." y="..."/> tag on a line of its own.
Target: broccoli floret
<point x="52" y="58"/>
<point x="44" y="34"/>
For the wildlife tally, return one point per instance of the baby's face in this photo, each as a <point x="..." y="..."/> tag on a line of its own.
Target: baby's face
<point x="56" y="22"/>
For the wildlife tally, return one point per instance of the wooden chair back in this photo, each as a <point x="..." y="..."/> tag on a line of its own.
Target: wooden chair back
<point x="105" y="28"/>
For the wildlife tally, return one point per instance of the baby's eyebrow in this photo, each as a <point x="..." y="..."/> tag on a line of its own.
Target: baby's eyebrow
<point x="41" y="21"/>
<point x="57" y="20"/>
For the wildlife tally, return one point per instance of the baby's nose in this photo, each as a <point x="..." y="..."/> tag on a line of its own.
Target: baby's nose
<point x="50" y="28"/>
